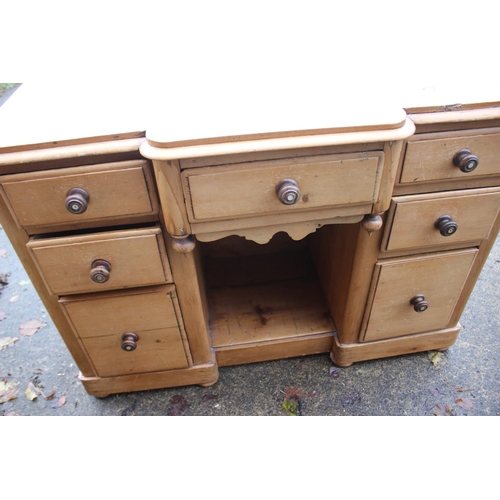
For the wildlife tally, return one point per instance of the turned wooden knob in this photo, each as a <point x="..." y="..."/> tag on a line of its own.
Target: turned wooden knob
<point x="101" y="271"/>
<point x="372" y="223"/>
<point x="419" y="303"/>
<point x="446" y="225"/>
<point x="288" y="192"/>
<point x="129" y="341"/>
<point x="465" y="161"/>
<point x="183" y="244"/>
<point x="77" y="201"/>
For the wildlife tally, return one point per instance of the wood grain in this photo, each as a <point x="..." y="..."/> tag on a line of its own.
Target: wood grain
<point x="439" y="277"/>
<point x="136" y="257"/>
<point x="242" y="190"/>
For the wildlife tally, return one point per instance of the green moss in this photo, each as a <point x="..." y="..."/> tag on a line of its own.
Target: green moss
<point x="291" y="406"/>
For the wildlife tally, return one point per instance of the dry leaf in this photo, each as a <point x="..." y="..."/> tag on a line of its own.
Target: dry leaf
<point x="178" y="405"/>
<point x="437" y="358"/>
<point x="31" y="392"/>
<point x="61" y="401"/>
<point x="209" y="397"/>
<point x="293" y="393"/>
<point x="30" y="327"/>
<point x="442" y="410"/>
<point x="464" y="403"/>
<point x="7" y="391"/>
<point x="7" y="341"/>
<point x="334" y="371"/>
<point x="3" y="278"/>
<point x="13" y="299"/>
<point x="48" y="396"/>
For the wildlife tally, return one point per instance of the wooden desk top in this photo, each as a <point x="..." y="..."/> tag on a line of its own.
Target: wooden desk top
<point x="45" y="115"/>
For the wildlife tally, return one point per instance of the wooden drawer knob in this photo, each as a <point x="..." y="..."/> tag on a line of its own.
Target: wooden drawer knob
<point x="101" y="271"/>
<point x="465" y="161"/>
<point x="77" y="201"/>
<point x="288" y="192"/>
<point x="129" y="341"/>
<point x="419" y="303"/>
<point x="446" y="225"/>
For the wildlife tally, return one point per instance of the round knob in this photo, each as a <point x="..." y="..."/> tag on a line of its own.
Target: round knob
<point x="129" y="341"/>
<point x="77" y="201"/>
<point x="465" y="161"/>
<point x="446" y="225"/>
<point x="419" y="303"/>
<point x="101" y="271"/>
<point x="288" y="191"/>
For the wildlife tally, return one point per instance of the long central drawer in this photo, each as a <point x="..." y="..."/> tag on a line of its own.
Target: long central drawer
<point x="242" y="190"/>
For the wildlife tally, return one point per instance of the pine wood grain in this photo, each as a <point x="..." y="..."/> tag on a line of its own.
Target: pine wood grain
<point x="439" y="277"/>
<point x="137" y="258"/>
<point x="115" y="190"/>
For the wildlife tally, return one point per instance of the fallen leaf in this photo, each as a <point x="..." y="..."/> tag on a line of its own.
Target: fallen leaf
<point x="13" y="299"/>
<point x="31" y="392"/>
<point x="442" y="410"/>
<point x="461" y="389"/>
<point x="437" y="358"/>
<point x="3" y="278"/>
<point x="3" y="252"/>
<point x="49" y="396"/>
<point x="293" y="393"/>
<point x="334" y="371"/>
<point x="130" y="409"/>
<point x="464" y="403"/>
<point x="209" y="397"/>
<point x="291" y="401"/>
<point x="2" y="316"/>
<point x="30" y="327"/>
<point x="7" y="341"/>
<point x="435" y="391"/>
<point x="177" y="406"/>
<point x="61" y="401"/>
<point x="8" y="391"/>
<point x="352" y="399"/>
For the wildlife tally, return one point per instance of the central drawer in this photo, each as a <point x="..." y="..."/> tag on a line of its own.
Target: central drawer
<point x="242" y="190"/>
<point x="102" y="261"/>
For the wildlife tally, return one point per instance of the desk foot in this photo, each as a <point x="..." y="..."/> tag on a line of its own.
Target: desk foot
<point x="346" y="354"/>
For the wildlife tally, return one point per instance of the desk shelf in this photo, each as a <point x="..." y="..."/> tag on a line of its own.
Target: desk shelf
<point x="262" y="304"/>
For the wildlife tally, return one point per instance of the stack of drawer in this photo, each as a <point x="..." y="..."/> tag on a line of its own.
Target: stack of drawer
<point x="97" y="244"/>
<point x="437" y="234"/>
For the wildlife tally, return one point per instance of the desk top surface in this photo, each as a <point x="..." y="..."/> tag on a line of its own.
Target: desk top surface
<point x="40" y="114"/>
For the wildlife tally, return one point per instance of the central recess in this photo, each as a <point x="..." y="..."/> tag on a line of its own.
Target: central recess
<point x="262" y="294"/>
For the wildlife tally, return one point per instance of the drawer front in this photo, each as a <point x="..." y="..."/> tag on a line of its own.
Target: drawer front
<point x="77" y="264"/>
<point x="251" y="189"/>
<point x="429" y="157"/>
<point x="109" y="191"/>
<point x="151" y="314"/>
<point x="420" y="221"/>
<point x="439" y="278"/>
